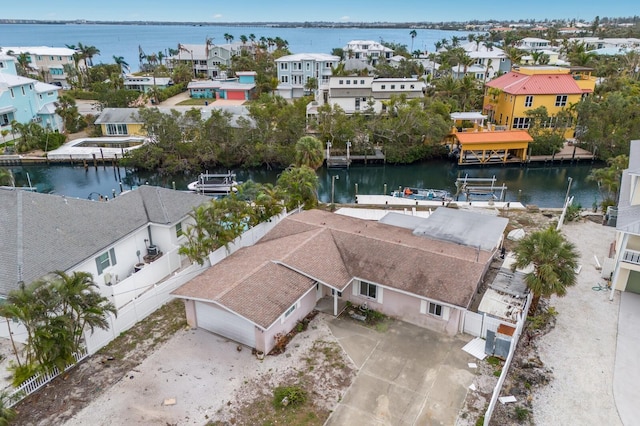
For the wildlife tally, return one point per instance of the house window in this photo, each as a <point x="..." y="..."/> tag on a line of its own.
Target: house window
<point x="4" y="120"/>
<point x="290" y="310"/>
<point x="368" y="289"/>
<point x="106" y="259"/>
<point x="40" y="95"/>
<point x="348" y="81"/>
<point x="285" y="78"/>
<point x="117" y="129"/>
<point x="561" y="100"/>
<point x="435" y="309"/>
<point x="12" y="94"/>
<point x="521" y="122"/>
<point x="284" y="66"/>
<point x="383" y="87"/>
<point x="528" y="101"/>
<point x="393" y="87"/>
<point x="308" y="66"/>
<point x="361" y="81"/>
<point x="402" y="86"/>
<point x="179" y="229"/>
<point x="23" y="92"/>
<point x="340" y="81"/>
<point x="412" y="86"/>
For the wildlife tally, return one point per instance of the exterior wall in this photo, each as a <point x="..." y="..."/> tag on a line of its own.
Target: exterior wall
<point x="133" y="129"/>
<point x="265" y="340"/>
<point x="26" y="102"/>
<point x="407" y="308"/>
<point x="190" y="312"/>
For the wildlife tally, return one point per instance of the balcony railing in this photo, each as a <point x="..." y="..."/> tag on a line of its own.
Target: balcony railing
<point x="631" y="256"/>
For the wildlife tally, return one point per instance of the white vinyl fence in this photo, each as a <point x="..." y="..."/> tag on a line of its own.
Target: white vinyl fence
<point x="505" y="369"/>
<point x="477" y="324"/>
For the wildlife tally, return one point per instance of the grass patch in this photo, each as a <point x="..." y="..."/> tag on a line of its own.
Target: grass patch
<point x="540" y="320"/>
<point x="196" y="101"/>
<point x="492" y="360"/>
<point x="289" y="397"/>
<point x="522" y="414"/>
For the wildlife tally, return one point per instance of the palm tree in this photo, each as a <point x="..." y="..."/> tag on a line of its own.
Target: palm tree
<point x="119" y="60"/>
<point x="300" y="184"/>
<point x="309" y="152"/>
<point x="413" y="35"/>
<point x="554" y="260"/>
<point x="243" y="39"/>
<point x="160" y="56"/>
<point x="252" y="37"/>
<point x="6" y="177"/>
<point x="514" y="55"/>
<point x="228" y="37"/>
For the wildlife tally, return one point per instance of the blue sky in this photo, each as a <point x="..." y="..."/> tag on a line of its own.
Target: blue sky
<point x="301" y="10"/>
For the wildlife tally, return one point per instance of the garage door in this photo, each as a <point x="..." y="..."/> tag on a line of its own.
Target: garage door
<point x="236" y="95"/>
<point x="225" y="324"/>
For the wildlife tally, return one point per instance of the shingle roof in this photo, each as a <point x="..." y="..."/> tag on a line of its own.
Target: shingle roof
<point x="333" y="249"/>
<point x="515" y="83"/>
<point x="43" y="233"/>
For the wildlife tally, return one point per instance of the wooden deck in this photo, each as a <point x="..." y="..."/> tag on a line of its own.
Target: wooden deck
<point x="341" y="161"/>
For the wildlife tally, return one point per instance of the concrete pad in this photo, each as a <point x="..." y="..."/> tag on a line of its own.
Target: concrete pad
<point x="626" y="374"/>
<point x="410" y="376"/>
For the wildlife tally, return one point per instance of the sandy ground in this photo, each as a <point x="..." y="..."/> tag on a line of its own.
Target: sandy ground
<point x="206" y="375"/>
<point x="580" y="350"/>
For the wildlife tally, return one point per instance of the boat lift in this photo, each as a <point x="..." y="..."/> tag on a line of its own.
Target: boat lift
<point x="480" y="187"/>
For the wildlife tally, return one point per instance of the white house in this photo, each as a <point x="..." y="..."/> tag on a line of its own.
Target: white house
<point x="626" y="275"/>
<point x="145" y="83"/>
<point x="487" y="61"/>
<point x="533" y="44"/>
<point x="367" y="50"/>
<point x="359" y="94"/>
<point x="295" y="70"/>
<point x="127" y="243"/>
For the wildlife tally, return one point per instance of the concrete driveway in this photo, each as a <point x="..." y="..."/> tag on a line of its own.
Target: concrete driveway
<point x="407" y="375"/>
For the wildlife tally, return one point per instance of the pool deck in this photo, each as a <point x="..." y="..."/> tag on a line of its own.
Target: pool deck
<point x="70" y="152"/>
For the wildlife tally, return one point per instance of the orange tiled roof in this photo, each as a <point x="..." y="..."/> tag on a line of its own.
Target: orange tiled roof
<point x="515" y="83"/>
<point x="494" y="137"/>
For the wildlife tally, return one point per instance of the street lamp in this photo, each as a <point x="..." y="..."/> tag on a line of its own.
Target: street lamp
<point x="333" y="187"/>
<point x="566" y="197"/>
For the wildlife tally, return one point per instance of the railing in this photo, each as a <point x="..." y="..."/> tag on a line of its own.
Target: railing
<point x="631" y="256"/>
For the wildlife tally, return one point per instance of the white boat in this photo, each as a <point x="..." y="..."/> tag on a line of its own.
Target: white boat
<point x="208" y="183"/>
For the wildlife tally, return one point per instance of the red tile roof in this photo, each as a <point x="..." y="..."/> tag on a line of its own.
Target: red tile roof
<point x="494" y="137"/>
<point x="515" y="83"/>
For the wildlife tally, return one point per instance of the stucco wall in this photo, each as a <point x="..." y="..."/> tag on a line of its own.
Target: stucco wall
<point x="406" y="308"/>
<point x="265" y="341"/>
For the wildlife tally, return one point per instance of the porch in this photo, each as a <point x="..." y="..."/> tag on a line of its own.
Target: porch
<point x="332" y="305"/>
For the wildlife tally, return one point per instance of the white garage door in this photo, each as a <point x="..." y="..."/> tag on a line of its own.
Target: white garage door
<point x="225" y="324"/>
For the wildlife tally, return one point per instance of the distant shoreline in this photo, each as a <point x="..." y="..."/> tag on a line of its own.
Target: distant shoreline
<point x="321" y="24"/>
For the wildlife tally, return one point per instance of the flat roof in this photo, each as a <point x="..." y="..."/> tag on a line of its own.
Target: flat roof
<point x="493" y="137"/>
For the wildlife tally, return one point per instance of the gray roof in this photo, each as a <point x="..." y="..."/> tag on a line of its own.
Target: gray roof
<point x="130" y="115"/>
<point x="43" y="232"/>
<point x="629" y="215"/>
<point x="463" y="227"/>
<point x="402" y="220"/>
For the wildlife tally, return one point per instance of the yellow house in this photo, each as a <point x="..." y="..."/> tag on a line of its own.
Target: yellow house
<point x="509" y="96"/>
<point x="120" y="122"/>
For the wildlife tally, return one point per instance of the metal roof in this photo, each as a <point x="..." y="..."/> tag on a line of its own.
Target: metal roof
<point x="503" y="136"/>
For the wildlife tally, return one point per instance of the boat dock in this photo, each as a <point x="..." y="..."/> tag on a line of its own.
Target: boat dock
<point x="389" y="201"/>
<point x="344" y="161"/>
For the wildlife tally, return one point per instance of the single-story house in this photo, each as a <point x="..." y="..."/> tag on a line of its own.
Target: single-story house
<point x="127" y="121"/>
<point x="145" y="83"/>
<point x="111" y="239"/>
<point x="263" y="290"/>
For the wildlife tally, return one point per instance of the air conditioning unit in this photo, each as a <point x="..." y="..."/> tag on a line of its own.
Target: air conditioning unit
<point x="152" y="250"/>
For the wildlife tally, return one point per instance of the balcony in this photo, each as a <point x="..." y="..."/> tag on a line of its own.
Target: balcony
<point x="631" y="256"/>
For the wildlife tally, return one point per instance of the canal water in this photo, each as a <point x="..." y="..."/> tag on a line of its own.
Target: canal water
<point x="544" y="186"/>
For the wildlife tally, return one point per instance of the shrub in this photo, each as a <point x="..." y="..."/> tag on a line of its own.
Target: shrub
<point x="573" y="212"/>
<point x="294" y="395"/>
<point x="522" y="414"/>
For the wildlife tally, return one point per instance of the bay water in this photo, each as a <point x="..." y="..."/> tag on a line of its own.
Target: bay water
<point x="544" y="186"/>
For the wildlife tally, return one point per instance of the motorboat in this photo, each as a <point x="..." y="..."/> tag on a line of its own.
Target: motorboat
<point x="422" y="194"/>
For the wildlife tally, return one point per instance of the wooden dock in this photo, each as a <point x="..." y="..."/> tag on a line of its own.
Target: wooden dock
<point x="344" y="161"/>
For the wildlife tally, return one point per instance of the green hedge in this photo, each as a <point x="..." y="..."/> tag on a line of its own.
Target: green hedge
<point x="165" y="94"/>
<point x="82" y="94"/>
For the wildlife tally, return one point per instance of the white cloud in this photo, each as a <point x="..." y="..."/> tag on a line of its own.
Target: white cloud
<point x="217" y="16"/>
<point x="345" y="18"/>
